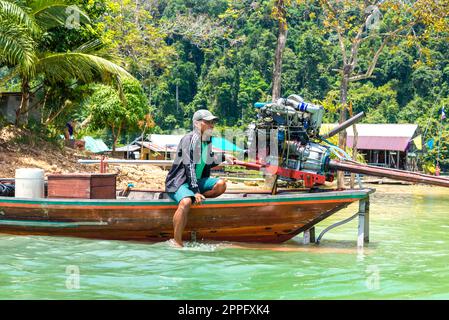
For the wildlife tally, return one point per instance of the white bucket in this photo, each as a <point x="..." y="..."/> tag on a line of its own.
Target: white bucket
<point x="29" y="183"/>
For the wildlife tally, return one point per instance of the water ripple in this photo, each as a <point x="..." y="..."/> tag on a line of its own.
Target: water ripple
<point x="406" y="258"/>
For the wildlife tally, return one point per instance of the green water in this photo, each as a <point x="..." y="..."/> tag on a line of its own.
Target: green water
<point x="407" y="258"/>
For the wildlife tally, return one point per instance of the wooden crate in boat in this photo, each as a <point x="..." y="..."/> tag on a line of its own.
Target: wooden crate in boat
<point x="82" y="186"/>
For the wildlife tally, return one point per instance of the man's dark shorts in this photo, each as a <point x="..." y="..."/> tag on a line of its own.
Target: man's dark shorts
<point x="204" y="184"/>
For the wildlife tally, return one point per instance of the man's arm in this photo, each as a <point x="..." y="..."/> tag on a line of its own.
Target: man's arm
<point x="217" y="159"/>
<point x="189" y="162"/>
<point x="223" y="157"/>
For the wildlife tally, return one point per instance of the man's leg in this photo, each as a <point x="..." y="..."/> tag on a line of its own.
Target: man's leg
<point x="180" y="219"/>
<point x="218" y="189"/>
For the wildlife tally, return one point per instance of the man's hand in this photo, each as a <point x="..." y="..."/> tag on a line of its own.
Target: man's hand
<point x="199" y="198"/>
<point x="230" y="158"/>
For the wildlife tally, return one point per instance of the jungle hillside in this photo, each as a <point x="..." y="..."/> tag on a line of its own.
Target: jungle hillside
<point x="120" y="68"/>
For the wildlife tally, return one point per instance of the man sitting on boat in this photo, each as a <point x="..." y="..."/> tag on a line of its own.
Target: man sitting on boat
<point x="189" y="179"/>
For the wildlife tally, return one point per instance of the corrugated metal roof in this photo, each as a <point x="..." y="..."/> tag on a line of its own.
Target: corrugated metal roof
<point x="130" y="148"/>
<point x="157" y="148"/>
<point x="379" y="136"/>
<point x="380" y="143"/>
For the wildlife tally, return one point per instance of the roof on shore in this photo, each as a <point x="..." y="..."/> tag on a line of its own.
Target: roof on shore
<point x="395" y="137"/>
<point x="95" y="145"/>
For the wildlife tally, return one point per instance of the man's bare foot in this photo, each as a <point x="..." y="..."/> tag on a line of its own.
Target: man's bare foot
<point x="176" y="244"/>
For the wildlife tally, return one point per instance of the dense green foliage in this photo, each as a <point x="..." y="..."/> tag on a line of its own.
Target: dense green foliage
<point x="219" y="54"/>
<point x="108" y="110"/>
<point x="223" y="57"/>
<point x="28" y="48"/>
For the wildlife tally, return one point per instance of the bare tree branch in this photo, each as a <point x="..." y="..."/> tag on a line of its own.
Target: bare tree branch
<point x="341" y="42"/>
<point x="355" y="47"/>
<point x="373" y="63"/>
<point x="342" y="46"/>
<point x="369" y="72"/>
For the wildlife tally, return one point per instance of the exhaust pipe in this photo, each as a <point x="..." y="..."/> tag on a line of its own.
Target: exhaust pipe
<point x="344" y="125"/>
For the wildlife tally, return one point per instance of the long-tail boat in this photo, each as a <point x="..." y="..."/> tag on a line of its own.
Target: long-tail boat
<point x="241" y="217"/>
<point x="245" y="217"/>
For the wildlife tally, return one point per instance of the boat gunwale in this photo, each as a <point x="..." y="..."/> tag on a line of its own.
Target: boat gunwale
<point x="351" y="194"/>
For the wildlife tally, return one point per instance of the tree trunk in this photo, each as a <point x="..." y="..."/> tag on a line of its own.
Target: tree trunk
<point x="47" y="93"/>
<point x="25" y="100"/>
<point x="342" y="137"/>
<point x="116" y="136"/>
<point x="277" y="72"/>
<point x="177" y="97"/>
<point x="277" y="76"/>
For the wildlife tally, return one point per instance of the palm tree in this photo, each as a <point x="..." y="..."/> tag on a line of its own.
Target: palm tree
<point x="21" y="30"/>
<point x="16" y="36"/>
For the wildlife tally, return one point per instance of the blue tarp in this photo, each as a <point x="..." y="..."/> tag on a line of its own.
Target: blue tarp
<point x="95" y="145"/>
<point x="223" y="144"/>
<point x="430" y="144"/>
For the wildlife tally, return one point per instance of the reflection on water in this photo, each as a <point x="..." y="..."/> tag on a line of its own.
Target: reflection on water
<point x="407" y="258"/>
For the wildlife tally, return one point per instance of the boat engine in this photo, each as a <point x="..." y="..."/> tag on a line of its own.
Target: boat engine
<point x="284" y="141"/>
<point x="281" y="138"/>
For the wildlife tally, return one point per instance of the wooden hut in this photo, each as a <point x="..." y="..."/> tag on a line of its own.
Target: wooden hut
<point x="386" y="145"/>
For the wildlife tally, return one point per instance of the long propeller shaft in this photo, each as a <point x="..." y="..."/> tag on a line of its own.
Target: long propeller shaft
<point x="389" y="173"/>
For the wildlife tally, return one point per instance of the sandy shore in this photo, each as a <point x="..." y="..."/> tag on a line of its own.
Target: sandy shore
<point x="21" y="149"/>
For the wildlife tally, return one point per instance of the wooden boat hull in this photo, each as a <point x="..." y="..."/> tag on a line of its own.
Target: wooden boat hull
<point x="263" y="218"/>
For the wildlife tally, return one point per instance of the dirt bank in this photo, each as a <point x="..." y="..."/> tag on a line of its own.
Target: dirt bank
<point x="20" y="148"/>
